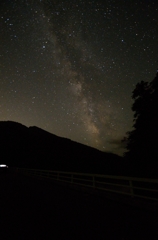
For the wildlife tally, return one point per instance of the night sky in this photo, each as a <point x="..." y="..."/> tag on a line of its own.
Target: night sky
<point x="70" y="67"/>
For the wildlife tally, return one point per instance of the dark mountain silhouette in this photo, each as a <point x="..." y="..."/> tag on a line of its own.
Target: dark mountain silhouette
<point x="32" y="147"/>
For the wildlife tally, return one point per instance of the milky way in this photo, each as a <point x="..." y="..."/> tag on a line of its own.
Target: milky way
<point x="70" y="67"/>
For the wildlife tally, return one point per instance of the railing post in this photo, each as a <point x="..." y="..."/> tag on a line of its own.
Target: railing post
<point x="58" y="176"/>
<point x="93" y="182"/>
<point x="131" y="188"/>
<point x="71" y="178"/>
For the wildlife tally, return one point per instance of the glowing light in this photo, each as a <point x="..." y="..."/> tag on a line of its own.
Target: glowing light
<point x="3" y="165"/>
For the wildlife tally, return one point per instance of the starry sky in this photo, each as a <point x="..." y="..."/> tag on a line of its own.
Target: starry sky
<point x="70" y="67"/>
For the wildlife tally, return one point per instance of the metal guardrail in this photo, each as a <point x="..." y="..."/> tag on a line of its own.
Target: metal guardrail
<point x="134" y="187"/>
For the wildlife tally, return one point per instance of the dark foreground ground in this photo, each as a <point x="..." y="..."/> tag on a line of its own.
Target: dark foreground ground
<point x="37" y="209"/>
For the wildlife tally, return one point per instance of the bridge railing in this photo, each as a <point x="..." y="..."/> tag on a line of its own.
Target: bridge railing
<point x="131" y="186"/>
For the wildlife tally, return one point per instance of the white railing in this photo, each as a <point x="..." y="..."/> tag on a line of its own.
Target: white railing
<point x="134" y="187"/>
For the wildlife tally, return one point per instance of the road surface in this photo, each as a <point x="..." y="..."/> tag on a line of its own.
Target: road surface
<point x="36" y="209"/>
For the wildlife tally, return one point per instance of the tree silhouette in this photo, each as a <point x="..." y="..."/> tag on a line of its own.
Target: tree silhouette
<point x="142" y="141"/>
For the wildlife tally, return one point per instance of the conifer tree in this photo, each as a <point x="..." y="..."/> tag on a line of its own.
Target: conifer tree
<point x="142" y="141"/>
